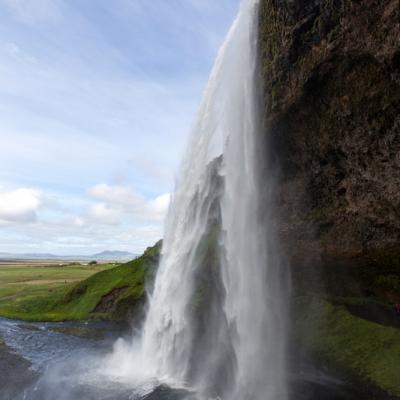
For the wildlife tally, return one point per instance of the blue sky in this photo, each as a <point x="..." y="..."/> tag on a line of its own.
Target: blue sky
<point x="96" y="101"/>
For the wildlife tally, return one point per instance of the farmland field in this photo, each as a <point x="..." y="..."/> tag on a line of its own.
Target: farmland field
<point x="21" y="281"/>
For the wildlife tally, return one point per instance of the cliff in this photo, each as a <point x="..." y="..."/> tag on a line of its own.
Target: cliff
<point x="331" y="73"/>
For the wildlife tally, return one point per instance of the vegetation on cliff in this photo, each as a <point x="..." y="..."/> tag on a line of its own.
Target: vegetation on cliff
<point x="117" y="294"/>
<point x="357" y="348"/>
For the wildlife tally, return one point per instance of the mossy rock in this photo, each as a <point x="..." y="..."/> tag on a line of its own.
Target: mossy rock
<point x="360" y="349"/>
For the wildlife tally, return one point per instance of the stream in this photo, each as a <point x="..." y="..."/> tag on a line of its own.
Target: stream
<point x="66" y="361"/>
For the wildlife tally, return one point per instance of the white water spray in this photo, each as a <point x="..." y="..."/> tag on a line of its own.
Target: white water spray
<point x="215" y="322"/>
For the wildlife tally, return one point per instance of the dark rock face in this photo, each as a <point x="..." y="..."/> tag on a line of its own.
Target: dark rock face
<point x="331" y="71"/>
<point x="332" y="81"/>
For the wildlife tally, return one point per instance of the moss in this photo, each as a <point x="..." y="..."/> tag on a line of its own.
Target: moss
<point x="199" y="298"/>
<point x="388" y="282"/>
<point x="322" y="212"/>
<point x="205" y="276"/>
<point x="153" y="251"/>
<point x="208" y="243"/>
<point x="354" y="345"/>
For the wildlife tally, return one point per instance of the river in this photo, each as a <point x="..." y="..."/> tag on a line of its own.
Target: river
<point x="68" y="361"/>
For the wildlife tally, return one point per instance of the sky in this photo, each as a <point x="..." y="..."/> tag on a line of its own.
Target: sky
<point x="97" y="98"/>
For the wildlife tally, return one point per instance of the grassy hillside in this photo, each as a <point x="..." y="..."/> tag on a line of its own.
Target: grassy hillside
<point x="114" y="293"/>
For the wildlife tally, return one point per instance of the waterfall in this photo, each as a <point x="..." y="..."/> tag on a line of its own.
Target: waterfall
<point x="216" y="322"/>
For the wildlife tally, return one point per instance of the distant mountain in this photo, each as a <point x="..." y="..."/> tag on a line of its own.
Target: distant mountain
<point x="104" y="255"/>
<point x="111" y="255"/>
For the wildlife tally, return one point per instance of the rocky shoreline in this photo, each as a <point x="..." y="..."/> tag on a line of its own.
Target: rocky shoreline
<point x="15" y="373"/>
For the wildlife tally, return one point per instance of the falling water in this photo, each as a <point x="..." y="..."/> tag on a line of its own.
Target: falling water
<point x="215" y="321"/>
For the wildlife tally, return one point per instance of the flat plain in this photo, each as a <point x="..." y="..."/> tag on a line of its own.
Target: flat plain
<point x="22" y="281"/>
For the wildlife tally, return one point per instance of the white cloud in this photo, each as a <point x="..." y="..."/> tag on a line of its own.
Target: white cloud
<point x="105" y="219"/>
<point x="19" y="205"/>
<point x="78" y="221"/>
<point x="118" y="195"/>
<point x="159" y="206"/>
<point x="104" y="214"/>
<point x="118" y="202"/>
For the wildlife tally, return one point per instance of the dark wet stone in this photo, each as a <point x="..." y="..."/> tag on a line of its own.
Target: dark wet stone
<point x="15" y="373"/>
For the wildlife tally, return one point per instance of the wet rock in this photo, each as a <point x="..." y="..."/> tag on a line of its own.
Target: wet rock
<point x="15" y="373"/>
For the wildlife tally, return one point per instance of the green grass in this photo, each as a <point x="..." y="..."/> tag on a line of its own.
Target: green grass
<point x="21" y="285"/>
<point x="389" y="282"/>
<point x="80" y="297"/>
<point x="359" y="347"/>
<point x="25" y="273"/>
